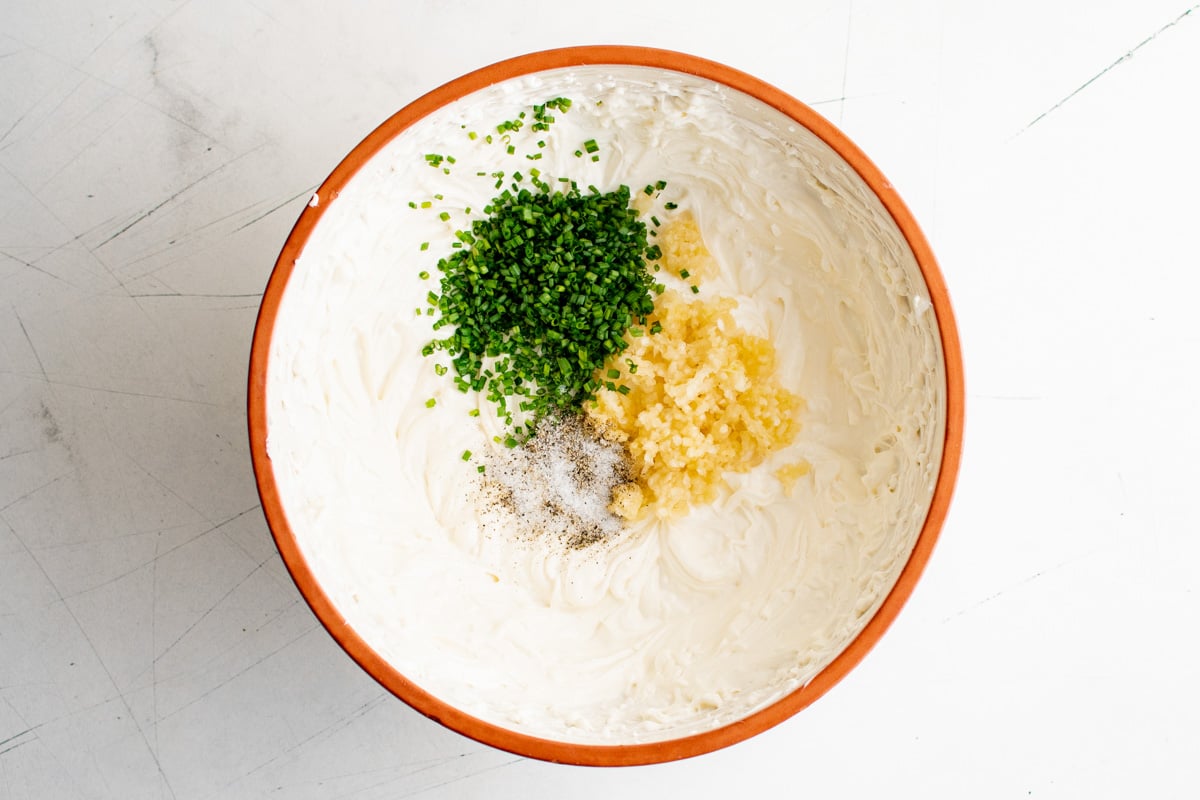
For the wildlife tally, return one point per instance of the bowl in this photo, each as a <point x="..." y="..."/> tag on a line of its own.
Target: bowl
<point x="682" y="634"/>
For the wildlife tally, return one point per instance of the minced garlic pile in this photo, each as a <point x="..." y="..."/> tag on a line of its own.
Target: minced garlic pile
<point x="704" y="398"/>
<point x="683" y="249"/>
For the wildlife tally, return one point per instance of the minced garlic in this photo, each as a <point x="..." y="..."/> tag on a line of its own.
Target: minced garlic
<point x="683" y="249"/>
<point x="790" y="474"/>
<point x="704" y="399"/>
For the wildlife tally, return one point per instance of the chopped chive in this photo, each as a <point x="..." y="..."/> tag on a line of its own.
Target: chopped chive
<point x="541" y="291"/>
<point x="649" y="190"/>
<point x="440" y="369"/>
<point x="670" y="206"/>
<point x="426" y="204"/>
<point x="695" y="289"/>
<point x="430" y="403"/>
<point x="683" y="273"/>
<point x="578" y="153"/>
<point x="424" y="246"/>
<point x="474" y="412"/>
<point x="595" y="158"/>
<point x="444" y="216"/>
<point x="472" y="136"/>
<point x="614" y="373"/>
<point x="466" y="455"/>
<point x="591" y="146"/>
<point x="481" y="469"/>
<point x="423" y="275"/>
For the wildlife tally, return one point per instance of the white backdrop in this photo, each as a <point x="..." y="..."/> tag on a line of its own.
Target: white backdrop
<point x="154" y="155"/>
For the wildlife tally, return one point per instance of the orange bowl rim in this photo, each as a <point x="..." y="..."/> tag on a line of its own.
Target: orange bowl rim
<point x="387" y="675"/>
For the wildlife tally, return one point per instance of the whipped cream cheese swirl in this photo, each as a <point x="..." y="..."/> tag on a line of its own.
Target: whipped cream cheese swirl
<point x="663" y="629"/>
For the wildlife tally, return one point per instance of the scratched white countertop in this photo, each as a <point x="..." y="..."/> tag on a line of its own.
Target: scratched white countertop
<point x="154" y="155"/>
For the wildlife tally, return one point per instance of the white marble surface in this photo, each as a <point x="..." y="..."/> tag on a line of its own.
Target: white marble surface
<point x="153" y="156"/>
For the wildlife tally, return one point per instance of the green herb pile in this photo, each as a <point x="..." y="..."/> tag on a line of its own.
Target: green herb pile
<point x="540" y="293"/>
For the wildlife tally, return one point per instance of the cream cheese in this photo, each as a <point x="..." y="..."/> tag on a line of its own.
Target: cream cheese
<point x="664" y="629"/>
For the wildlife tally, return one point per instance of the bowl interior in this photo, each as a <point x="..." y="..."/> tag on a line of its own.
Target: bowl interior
<point x="676" y="637"/>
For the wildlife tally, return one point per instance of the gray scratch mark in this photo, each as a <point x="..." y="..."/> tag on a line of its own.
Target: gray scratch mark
<point x="15" y="746"/>
<point x="190" y="294"/>
<point x="272" y="210"/>
<point x="35" y="490"/>
<point x="312" y="627"/>
<point x="113" y="538"/>
<point x="223" y="166"/>
<point x="1128" y="55"/>
<point x="329" y="729"/>
<point x="113" y="580"/>
<point x="123" y="92"/>
<point x="458" y="778"/>
<point x="33" y="266"/>
<point x="235" y="518"/>
<point x="62" y="768"/>
<point x="146" y="395"/>
<point x="79" y="152"/>
<point x="16" y="736"/>
<point x="7" y="456"/>
<point x="61" y="102"/>
<point x="150" y="33"/>
<point x="831" y="100"/>
<point x="92" y="646"/>
<point x="32" y="349"/>
<point x="13" y="127"/>
<point x="1008" y="397"/>
<point x="276" y="615"/>
<point x="410" y="768"/>
<point x="1017" y="585"/>
<point x="120" y="696"/>
<point x="147" y="214"/>
<point x="846" y="60"/>
<point x="171" y="491"/>
<point x="187" y="238"/>
<point x="37" y="198"/>
<point x="104" y="41"/>
<point x="153" y="650"/>
<point x="206" y="614"/>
